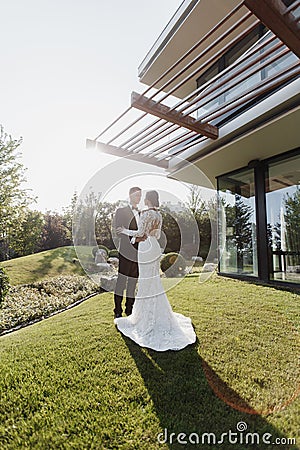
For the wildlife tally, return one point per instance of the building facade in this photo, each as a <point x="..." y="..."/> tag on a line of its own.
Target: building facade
<point x="224" y="91"/>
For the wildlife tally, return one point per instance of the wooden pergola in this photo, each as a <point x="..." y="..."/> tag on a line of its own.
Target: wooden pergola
<point x="174" y="128"/>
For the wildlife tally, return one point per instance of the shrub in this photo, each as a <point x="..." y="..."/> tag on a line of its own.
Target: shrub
<point x="113" y="253"/>
<point x="40" y="299"/>
<point x="4" y="284"/>
<point x="173" y="264"/>
<point x="95" y="249"/>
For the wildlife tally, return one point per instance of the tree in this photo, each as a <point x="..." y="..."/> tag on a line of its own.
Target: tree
<point x="274" y="236"/>
<point x="103" y="223"/>
<point x="14" y="198"/>
<point x="67" y="217"/>
<point x="238" y="217"/>
<point x="84" y="218"/>
<point x="171" y="229"/>
<point x="54" y="232"/>
<point x="204" y="212"/>
<point x="195" y="202"/>
<point x="25" y="238"/>
<point x="93" y="218"/>
<point x="292" y="224"/>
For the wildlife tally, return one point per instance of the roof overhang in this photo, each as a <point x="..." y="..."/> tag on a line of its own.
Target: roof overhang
<point x="192" y="21"/>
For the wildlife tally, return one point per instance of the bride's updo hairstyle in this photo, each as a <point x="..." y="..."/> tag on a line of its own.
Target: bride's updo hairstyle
<point x="152" y="196"/>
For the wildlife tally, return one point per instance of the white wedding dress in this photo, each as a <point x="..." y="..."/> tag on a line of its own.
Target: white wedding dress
<point x="152" y="323"/>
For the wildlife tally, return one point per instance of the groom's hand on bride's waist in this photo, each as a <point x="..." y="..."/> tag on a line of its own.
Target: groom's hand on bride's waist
<point x="140" y="238"/>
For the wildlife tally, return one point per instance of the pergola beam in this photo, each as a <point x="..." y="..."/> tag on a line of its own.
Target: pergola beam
<point x="164" y="112"/>
<point x="273" y="14"/>
<point x="119" y="151"/>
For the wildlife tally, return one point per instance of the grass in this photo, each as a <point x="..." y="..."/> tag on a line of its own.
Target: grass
<point x="49" y="263"/>
<point x="74" y="382"/>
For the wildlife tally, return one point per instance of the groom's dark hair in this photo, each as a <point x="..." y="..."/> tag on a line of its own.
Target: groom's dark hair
<point x="134" y="189"/>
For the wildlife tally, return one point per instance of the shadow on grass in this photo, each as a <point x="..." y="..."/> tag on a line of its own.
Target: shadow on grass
<point x="179" y="386"/>
<point x="47" y="262"/>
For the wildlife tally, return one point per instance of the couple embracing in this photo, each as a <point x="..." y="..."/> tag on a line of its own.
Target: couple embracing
<point x="150" y="320"/>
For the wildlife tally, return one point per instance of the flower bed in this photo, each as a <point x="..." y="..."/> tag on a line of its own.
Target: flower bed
<point x="29" y="302"/>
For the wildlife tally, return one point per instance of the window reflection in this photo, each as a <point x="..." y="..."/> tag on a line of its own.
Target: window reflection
<point x="238" y="229"/>
<point x="283" y="219"/>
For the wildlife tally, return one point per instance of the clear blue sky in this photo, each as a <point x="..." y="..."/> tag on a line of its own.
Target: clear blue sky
<point x="67" y="69"/>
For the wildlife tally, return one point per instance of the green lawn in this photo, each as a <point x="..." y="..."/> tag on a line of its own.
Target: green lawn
<point x="49" y="263"/>
<point x="73" y="382"/>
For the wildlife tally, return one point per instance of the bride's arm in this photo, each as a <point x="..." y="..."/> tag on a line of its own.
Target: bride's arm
<point x="139" y="233"/>
<point x="122" y="230"/>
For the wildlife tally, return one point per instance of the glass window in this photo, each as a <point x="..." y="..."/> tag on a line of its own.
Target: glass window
<point x="237" y="227"/>
<point x="283" y="219"/>
<point x="232" y="55"/>
<point x="288" y="2"/>
<point x="221" y="89"/>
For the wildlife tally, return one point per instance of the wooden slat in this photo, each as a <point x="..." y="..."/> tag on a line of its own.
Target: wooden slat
<point x="119" y="151"/>
<point x="272" y="14"/>
<point x="164" y="112"/>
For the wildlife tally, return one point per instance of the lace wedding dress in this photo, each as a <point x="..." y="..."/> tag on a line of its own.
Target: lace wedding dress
<point x="153" y="323"/>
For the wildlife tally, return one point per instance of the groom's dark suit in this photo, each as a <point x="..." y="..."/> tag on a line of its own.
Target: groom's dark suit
<point x="128" y="266"/>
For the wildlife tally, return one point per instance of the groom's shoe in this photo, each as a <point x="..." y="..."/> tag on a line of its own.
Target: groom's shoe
<point x="117" y="316"/>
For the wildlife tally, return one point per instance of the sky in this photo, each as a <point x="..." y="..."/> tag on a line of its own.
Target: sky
<point x="67" y="70"/>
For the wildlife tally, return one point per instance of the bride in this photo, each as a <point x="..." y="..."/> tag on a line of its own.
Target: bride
<point x="152" y="323"/>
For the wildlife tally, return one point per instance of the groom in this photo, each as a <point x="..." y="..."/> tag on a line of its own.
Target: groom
<point x="127" y="217"/>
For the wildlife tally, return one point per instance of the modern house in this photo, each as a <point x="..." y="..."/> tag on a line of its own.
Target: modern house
<point x="224" y="94"/>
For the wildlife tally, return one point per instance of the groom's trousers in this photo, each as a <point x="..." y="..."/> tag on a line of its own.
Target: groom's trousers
<point x="127" y="280"/>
